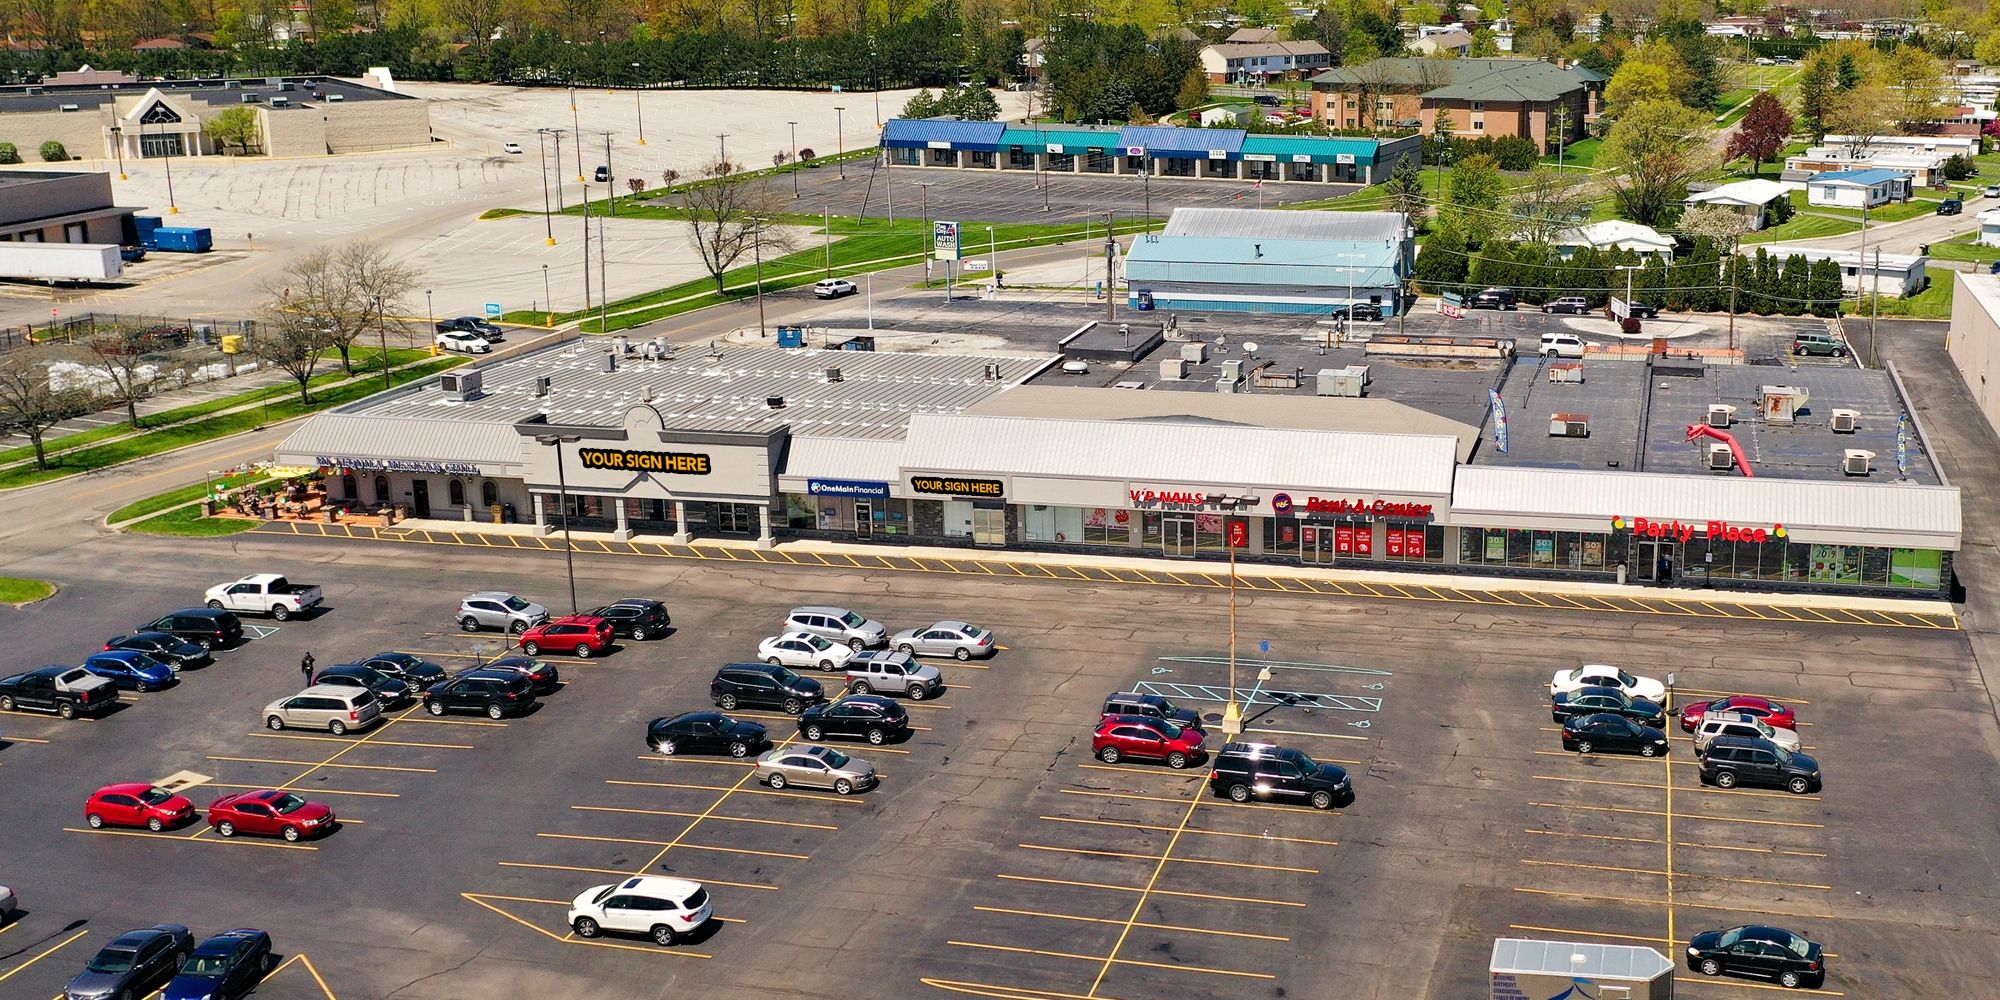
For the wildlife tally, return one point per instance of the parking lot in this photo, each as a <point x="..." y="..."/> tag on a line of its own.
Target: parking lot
<point x="998" y="858"/>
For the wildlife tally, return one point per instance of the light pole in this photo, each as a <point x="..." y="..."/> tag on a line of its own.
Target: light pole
<point x="757" y="248"/>
<point x="576" y="125"/>
<point x="429" y="310"/>
<point x="118" y="146"/>
<point x="382" y="337"/>
<point x="542" y="146"/>
<point x="562" y="490"/>
<point x="840" y="139"/>
<point x="723" y="139"/>
<point x="610" y="181"/>
<point x="993" y="259"/>
<point x="549" y="300"/>
<point x="1350" y="281"/>
<point x="639" y="108"/>
<point x="1232" y="714"/>
<point x="795" y="159"/>
<point x="174" y="208"/>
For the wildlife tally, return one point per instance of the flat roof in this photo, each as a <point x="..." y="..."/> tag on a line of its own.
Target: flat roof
<point x="48" y="97"/>
<point x="1275" y="224"/>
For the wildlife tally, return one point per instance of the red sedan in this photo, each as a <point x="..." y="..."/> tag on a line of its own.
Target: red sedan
<point x="1143" y="737"/>
<point x="1775" y="715"/>
<point x="271" y="812"/>
<point x="136" y="803"/>
<point x="584" y="635"/>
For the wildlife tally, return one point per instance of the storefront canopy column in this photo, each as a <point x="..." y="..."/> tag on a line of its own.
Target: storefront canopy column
<point x="624" y="532"/>
<point x="541" y="517"/>
<point x="765" y="539"/>
<point x="680" y="523"/>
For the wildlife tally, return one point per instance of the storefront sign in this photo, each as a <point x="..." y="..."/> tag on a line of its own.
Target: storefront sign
<point x="1378" y="508"/>
<point x="1281" y="503"/>
<point x="1406" y="543"/>
<point x="845" y="488"/>
<point x="396" y="465"/>
<point x="1721" y="531"/>
<point x="1239" y="534"/>
<point x="678" y="463"/>
<point x="1169" y="499"/>
<point x="958" y="487"/>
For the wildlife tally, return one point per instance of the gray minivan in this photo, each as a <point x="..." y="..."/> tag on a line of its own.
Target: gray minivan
<point x="839" y="625"/>
<point x="330" y="707"/>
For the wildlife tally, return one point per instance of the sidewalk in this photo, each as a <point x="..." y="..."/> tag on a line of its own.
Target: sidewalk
<point x="1142" y="571"/>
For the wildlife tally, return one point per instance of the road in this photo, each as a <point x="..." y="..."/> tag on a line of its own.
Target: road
<point x="1906" y="237"/>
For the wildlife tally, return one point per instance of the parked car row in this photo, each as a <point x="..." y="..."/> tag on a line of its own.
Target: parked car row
<point x="271" y="812"/>
<point x="165" y="958"/>
<point x="148" y="659"/>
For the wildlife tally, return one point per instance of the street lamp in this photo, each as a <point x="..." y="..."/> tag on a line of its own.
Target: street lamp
<point x="639" y="107"/>
<point x="840" y="139"/>
<point x="174" y="208"/>
<point x="795" y="158"/>
<point x="562" y="490"/>
<point x="993" y="259"/>
<point x="1350" y="281"/>
<point x="118" y="146"/>
<point x="429" y="311"/>
<point x="542" y="146"/>
<point x="1232" y="714"/>
<point x="549" y="300"/>
<point x="757" y="248"/>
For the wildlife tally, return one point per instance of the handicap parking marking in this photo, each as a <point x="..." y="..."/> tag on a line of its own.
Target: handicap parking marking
<point x="1331" y="668"/>
<point x="1252" y="696"/>
<point x="259" y="631"/>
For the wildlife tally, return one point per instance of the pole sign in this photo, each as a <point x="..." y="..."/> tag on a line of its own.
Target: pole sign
<point x="493" y="309"/>
<point x="1620" y="309"/>
<point x="1499" y="421"/>
<point x="944" y="240"/>
<point x="1451" y="305"/>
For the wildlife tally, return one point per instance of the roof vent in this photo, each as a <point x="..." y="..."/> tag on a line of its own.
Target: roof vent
<point x="1854" y="462"/>
<point x="775" y="402"/>
<point x="610" y="361"/>
<point x="249" y="98"/>
<point x="542" y="385"/>
<point x="280" y="101"/>
<point x="1573" y="425"/>
<point x="1844" y="421"/>
<point x="1721" y="456"/>
<point x="66" y="107"/>
<point x="993" y="371"/>
<point x="334" y="97"/>
<point x="833" y="373"/>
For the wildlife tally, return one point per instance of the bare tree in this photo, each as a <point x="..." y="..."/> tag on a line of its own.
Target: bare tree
<point x="345" y="291"/>
<point x="29" y="403"/>
<point x="1549" y="203"/>
<point x="293" y="343"/>
<point x="120" y="354"/>
<point x="725" y="213"/>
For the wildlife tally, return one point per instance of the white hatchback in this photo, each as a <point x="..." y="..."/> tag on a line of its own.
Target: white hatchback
<point x="463" y="343"/>
<point x="664" y="909"/>
<point x="805" y="651"/>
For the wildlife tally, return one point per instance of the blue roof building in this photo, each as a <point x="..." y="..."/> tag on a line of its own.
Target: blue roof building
<point x="1858" y="188"/>
<point x="1246" y="260"/>
<point x="1163" y="151"/>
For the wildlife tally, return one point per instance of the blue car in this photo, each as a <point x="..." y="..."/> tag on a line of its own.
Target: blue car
<point x="224" y="967"/>
<point x="132" y="670"/>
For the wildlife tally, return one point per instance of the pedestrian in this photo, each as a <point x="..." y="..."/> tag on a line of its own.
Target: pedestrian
<point x="306" y="668"/>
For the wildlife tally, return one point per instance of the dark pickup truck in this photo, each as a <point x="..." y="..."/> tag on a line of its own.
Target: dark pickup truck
<point x="66" y="691"/>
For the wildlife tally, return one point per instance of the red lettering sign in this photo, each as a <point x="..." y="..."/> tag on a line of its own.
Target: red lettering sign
<point x="1413" y="543"/>
<point x="1721" y="531"/>
<point x="1343" y="541"/>
<point x="1311" y="536"/>
<point x="1239" y="534"/>
<point x="1378" y="508"/>
<point x="1364" y="541"/>
<point x="1395" y="542"/>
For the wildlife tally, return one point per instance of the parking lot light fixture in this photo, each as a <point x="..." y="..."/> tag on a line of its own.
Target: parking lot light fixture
<point x="840" y="139"/>
<point x="562" y="491"/>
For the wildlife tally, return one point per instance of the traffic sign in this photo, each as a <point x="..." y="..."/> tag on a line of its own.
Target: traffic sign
<point x="493" y="309"/>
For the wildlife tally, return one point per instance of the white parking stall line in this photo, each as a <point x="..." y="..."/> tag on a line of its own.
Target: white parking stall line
<point x="1258" y="696"/>
<point x="1279" y="665"/>
<point x="259" y="631"/>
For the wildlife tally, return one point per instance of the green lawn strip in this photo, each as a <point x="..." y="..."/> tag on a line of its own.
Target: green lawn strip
<point x="189" y="522"/>
<point x="1931" y="303"/>
<point x="1582" y="153"/>
<point x="17" y="591"/>
<point x="186" y="494"/>
<point x="1803" y="227"/>
<point x="632" y="205"/>
<point x="179" y="435"/>
<point x="537" y="320"/>
<point x="1964" y="250"/>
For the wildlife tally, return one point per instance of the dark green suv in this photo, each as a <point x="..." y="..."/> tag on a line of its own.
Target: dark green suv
<point x="1818" y="343"/>
<point x="1244" y="771"/>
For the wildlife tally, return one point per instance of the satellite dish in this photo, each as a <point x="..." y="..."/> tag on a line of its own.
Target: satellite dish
<point x="1249" y="347"/>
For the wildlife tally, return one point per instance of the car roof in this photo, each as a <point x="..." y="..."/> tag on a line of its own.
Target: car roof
<point x="1750" y="700"/>
<point x="490" y="674"/>
<point x="136" y="939"/>
<point x="226" y="941"/>
<point x="869" y="699"/>
<point x="577" y="620"/>
<point x="125" y="787"/>
<point x="123" y="655"/>
<point x="661" y="886"/>
<point x="329" y="690"/>
<point x="54" y="670"/>
<point x="1131" y="720"/>
<point x="1600" y="689"/>
<point x="1727" y="717"/>
<point x="699" y="717"/>
<point x="488" y="593"/>
<point x="1742" y="741"/>
<point x="820" y="609"/>
<point x="195" y="613"/>
<point x="1144" y="699"/>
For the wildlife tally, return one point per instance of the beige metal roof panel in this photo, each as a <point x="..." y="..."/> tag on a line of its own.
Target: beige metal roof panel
<point x="1271" y="224"/>
<point x="348" y="435"/>
<point x="871" y="459"/>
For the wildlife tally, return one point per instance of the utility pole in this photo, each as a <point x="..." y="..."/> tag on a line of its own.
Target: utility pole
<point x="610" y="179"/>
<point x="558" y="134"/>
<point x="795" y="159"/>
<point x="826" y="230"/>
<point x="586" y="252"/>
<point x="840" y="139"/>
<point x="382" y="337"/>
<point x="1874" y="306"/>
<point x="723" y="139"/>
<point x="1110" y="269"/>
<point x="542" y="146"/>
<point x="603" y="275"/>
<point x="757" y="243"/>
<point x="576" y="125"/>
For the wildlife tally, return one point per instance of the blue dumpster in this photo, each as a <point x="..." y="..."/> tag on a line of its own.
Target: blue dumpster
<point x="183" y="240"/>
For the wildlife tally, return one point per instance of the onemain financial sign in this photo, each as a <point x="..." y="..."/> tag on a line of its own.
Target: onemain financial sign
<point x="674" y="462"/>
<point x="846" y="488"/>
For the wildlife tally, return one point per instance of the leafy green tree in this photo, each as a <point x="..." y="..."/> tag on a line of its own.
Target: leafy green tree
<point x="1441" y="262"/>
<point x="1328" y="27"/>
<point x="1194" y="89"/>
<point x="1765" y="129"/>
<point x="1824" y="288"/>
<point x="1485" y="44"/>
<point x="970" y="103"/>
<point x="1652" y="154"/>
<point x="1472" y="198"/>
<point x="1816" y="90"/>
<point x="234" y="127"/>
<point x="53" y="152"/>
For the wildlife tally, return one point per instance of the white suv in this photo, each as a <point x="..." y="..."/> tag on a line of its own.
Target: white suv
<point x="833" y="288"/>
<point x="665" y="909"/>
<point x="1562" y="345"/>
<point x="1742" y="724"/>
<point x="840" y="625"/>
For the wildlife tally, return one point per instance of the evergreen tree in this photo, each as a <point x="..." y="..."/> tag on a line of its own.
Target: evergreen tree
<point x="1441" y="263"/>
<point x="1816" y="97"/>
<point x="1405" y="188"/>
<point x="923" y="105"/>
<point x="1848" y="73"/>
<point x="1797" y="285"/>
<point x="1823" y="287"/>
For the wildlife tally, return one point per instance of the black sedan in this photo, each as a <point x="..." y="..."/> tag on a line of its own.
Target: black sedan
<point x="165" y="648"/>
<point x="636" y="618"/>
<point x="871" y="717"/>
<point x="472" y="324"/>
<point x="387" y="688"/>
<point x="1756" y="952"/>
<point x="540" y="673"/>
<point x="706" y="732"/>
<point x="1593" y="700"/>
<point x="420" y="674"/>
<point x="1645" y="310"/>
<point x="1607" y="733"/>
<point x="133" y="964"/>
<point x="1359" y="312"/>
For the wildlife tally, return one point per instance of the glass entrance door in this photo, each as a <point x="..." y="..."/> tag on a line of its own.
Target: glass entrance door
<point x="420" y="497"/>
<point x="1315" y="544"/>
<point x="1177" y="537"/>
<point x="989" y="526"/>
<point x="864" y="519"/>
<point x="738" y="517"/>
<point x="1656" y="562"/>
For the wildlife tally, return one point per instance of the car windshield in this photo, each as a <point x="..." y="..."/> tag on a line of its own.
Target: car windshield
<point x="1170" y="730"/>
<point x="1729" y="937"/>
<point x="1797" y="945"/>
<point x="1784" y="755"/>
<point x="1627" y="679"/>
<point x="972" y="632"/>
<point x="834" y="758"/>
<point x="852" y="620"/>
<point x="516" y="604"/>
<point x="1299" y="757"/>
<point x="818" y="643"/>
<point x="371" y="676"/>
<point x="786" y="677"/>
<point x="206" y="965"/>
<point x="288" y="803"/>
<point x="155" y="796"/>
<point x="113" y="960"/>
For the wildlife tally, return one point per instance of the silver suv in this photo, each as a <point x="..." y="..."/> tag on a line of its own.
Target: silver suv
<point x="840" y="625"/>
<point x="1742" y="724"/>
<point x="331" y="707"/>
<point x="499" y="610"/>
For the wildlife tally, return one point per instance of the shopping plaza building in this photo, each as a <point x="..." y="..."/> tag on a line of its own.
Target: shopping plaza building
<point x="1797" y="479"/>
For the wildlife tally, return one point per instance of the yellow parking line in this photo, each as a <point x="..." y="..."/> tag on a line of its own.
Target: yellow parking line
<point x="190" y="839"/>
<point x="451" y="722"/>
<point x="998" y="992"/>
<point x="689" y="815"/>
<point x="828" y="799"/>
<point x="1780" y="699"/>
<point x="1185" y="774"/>
<point x="316" y="791"/>
<point x="1700" y="816"/>
<point x="1662" y="788"/>
<point x="1162" y="798"/>
<point x="1110" y="961"/>
<point x="1615" y="757"/>
<point x="58" y="947"/>
<point x="1156" y="857"/>
<point x="1101" y="920"/>
<point x="1756" y="986"/>
<point x="328" y="763"/>
<point x="1677" y="874"/>
<point x="621" y="873"/>
<point x="674" y="843"/>
<point x="1156" y="892"/>
<point x="566" y="902"/>
<point x="1600" y="934"/>
<point x="1678" y="903"/>
<point x="1677" y="843"/>
<point x="1209" y="833"/>
<point x="476" y="898"/>
<point x="20" y="739"/>
<point x="377" y="743"/>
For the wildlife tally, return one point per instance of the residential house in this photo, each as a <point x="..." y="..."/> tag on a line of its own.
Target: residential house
<point x="1263" y="62"/>
<point x="1617" y="234"/>
<point x="1758" y="201"/>
<point x="1989" y="228"/>
<point x="1253" y="36"/>
<point x="1497" y="97"/>
<point x="1866" y="273"/>
<point x="1440" y="41"/>
<point x="1924" y="167"/>
<point x="1858" y="188"/>
<point x="1228" y="115"/>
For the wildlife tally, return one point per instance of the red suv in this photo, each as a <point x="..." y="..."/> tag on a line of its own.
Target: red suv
<point x="269" y="812"/>
<point x="584" y="635"/>
<point x="136" y="803"/>
<point x="1146" y="738"/>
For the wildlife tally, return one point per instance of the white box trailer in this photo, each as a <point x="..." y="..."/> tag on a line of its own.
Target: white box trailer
<point x="60" y="261"/>
<point x="1559" y="970"/>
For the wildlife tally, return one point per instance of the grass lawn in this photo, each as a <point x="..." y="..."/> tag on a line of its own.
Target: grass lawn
<point x="174" y="498"/>
<point x="1931" y="303"/>
<point x="1582" y="153"/>
<point x="187" y="521"/>
<point x="17" y="591"/>
<point x="1803" y="227"/>
<point x="1965" y="249"/>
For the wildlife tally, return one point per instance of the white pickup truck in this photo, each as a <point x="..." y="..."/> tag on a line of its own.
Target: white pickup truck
<point x="265" y="593"/>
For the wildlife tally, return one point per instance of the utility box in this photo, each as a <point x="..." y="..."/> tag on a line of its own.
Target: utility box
<point x="1341" y="381"/>
<point x="1232" y="376"/>
<point x="1780" y="403"/>
<point x="1558" y="970"/>
<point x="1844" y="421"/>
<point x="182" y="240"/>
<point x="791" y="336"/>
<point x="1721" y="414"/>
<point x="1173" y="369"/>
<point x="1194" y="352"/>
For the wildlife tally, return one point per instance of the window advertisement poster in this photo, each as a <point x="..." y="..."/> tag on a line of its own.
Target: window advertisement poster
<point x="1916" y="568"/>
<point x="1364" y="540"/>
<point x="1834" y="564"/>
<point x="1395" y="542"/>
<point x="1343" y="540"/>
<point x="1413" y="543"/>
<point x="1208" y="524"/>
<point x="1593" y="553"/>
<point x="1496" y="546"/>
<point x="1545" y="551"/>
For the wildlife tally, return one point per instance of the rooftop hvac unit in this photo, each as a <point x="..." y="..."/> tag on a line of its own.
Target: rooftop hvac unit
<point x="833" y="373"/>
<point x="1854" y="461"/>
<point x="992" y="371"/>
<point x="1362" y="370"/>
<point x="336" y="97"/>
<point x="66" y="107"/>
<point x="1571" y="372"/>
<point x="1844" y="421"/>
<point x="247" y="98"/>
<point x="1779" y="403"/>
<point x="280" y="101"/>
<point x="1721" y="414"/>
<point x="1232" y="376"/>
<point x="1571" y="425"/>
<point x="1721" y="456"/>
<point x="464" y="384"/>
<point x="1173" y="369"/>
<point x="1076" y="366"/>
<point x="610" y="361"/>
<point x="775" y="402"/>
<point x="1341" y="381"/>
<point x="1194" y="352"/>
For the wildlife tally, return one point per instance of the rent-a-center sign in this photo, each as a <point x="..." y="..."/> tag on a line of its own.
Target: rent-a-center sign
<point x="1687" y="531"/>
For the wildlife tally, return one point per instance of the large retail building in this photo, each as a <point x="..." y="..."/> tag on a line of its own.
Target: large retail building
<point x="1591" y="474"/>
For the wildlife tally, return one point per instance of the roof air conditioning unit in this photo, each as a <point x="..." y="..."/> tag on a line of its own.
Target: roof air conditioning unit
<point x="464" y="384"/>
<point x="249" y="98"/>
<point x="1721" y="414"/>
<point x="833" y="373"/>
<point x="1573" y="425"/>
<point x="280" y="101"/>
<point x="1232" y="376"/>
<point x="336" y="97"/>
<point x="1844" y="420"/>
<point x="1854" y="461"/>
<point x="1340" y="382"/>
<point x="1779" y="403"/>
<point x="66" y="107"/>
<point x="775" y="402"/>
<point x="610" y="361"/>
<point x="1721" y="456"/>
<point x="1173" y="369"/>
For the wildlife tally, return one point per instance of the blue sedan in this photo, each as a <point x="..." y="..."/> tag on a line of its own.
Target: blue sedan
<point x="224" y="967"/>
<point x="132" y="670"/>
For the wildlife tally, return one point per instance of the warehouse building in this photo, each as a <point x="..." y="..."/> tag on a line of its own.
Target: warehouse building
<point x="1162" y="151"/>
<point x="62" y="206"/>
<point x="1269" y="261"/>
<point x="1642" y="476"/>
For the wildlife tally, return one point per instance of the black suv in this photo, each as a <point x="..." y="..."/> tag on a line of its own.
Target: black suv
<point x="1152" y="706"/>
<point x="391" y="690"/>
<point x="1359" y="312"/>
<point x="636" y="618"/>
<point x="872" y="717"/>
<point x="1567" y="705"/>
<point x="1260" y="770"/>
<point x="472" y="324"/>
<point x="211" y="627"/>
<point x="764" y="685"/>
<point x="420" y="674"/>
<point x="705" y="732"/>
<point x="1495" y="298"/>
<point x="1761" y="953"/>
<point x="541" y="673"/>
<point x="1733" y="760"/>
<point x="498" y="693"/>
<point x="1644" y="310"/>
<point x="165" y="648"/>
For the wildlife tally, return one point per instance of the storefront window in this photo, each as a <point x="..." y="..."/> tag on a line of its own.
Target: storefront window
<point x="1414" y="541"/>
<point x="1107" y="526"/>
<point x="835" y="513"/>
<point x="457" y="491"/>
<point x="1208" y="533"/>
<point x="1835" y="564"/>
<point x="892" y="516"/>
<point x="1047" y="523"/>
<point x="800" y="510"/>
<point x="1152" y="531"/>
<point x="1916" y="568"/>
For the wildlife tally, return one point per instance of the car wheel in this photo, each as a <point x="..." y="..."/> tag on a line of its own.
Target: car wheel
<point x="1711" y="967"/>
<point x="468" y="624"/>
<point x="1839" y="352"/>
<point x="776" y="781"/>
<point x="877" y="737"/>
<point x="1649" y="750"/>
<point x="962" y="653"/>
<point x="533" y="648"/>
<point x="217" y="605"/>
<point x="264" y="963"/>
<point x="860" y="687"/>
<point x="155" y="824"/>
<point x="585" y="927"/>
<point x="1798" y="786"/>
<point x="434" y="707"/>
<point x="666" y="748"/>
<point x="226" y="828"/>
<point x="517" y="628"/>
<point x="814" y="733"/>
<point x="96" y="822"/>
<point x="583" y="651"/>
<point x="826" y="665"/>
<point x="281" y="613"/>
<point x="916" y="692"/>
<point x="1582" y="746"/>
<point x="1551" y="355"/>
<point x="907" y="649"/>
<point x="67" y="710"/>
<point x="727" y="702"/>
<point x="739" y="749"/>
<point x="1725" y="779"/>
<point x="793" y="706"/>
<point x="141" y="687"/>
<point x="1109" y="755"/>
<point x="1239" y="793"/>
<point x="125" y="994"/>
<point x="1800" y="351"/>
<point x="494" y="711"/>
<point x="1177" y="760"/>
<point x="274" y="724"/>
<point x="1322" y="799"/>
<point x="1790" y="980"/>
<point x="292" y="834"/>
<point x="664" y="936"/>
<point x="856" y="644"/>
<point x="638" y="633"/>
<point x="6" y="703"/>
<point x="842" y="786"/>
<point x="337" y="728"/>
<point x="772" y="660"/>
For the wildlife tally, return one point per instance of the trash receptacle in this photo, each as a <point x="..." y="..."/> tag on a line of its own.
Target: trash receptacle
<point x="498" y="511"/>
<point x="1145" y="299"/>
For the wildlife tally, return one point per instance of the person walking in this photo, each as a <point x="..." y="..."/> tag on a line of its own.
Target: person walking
<point x="306" y="668"/>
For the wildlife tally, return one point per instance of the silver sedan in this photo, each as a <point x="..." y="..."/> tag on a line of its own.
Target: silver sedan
<point x="815" y="767"/>
<point x="958" y="639"/>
